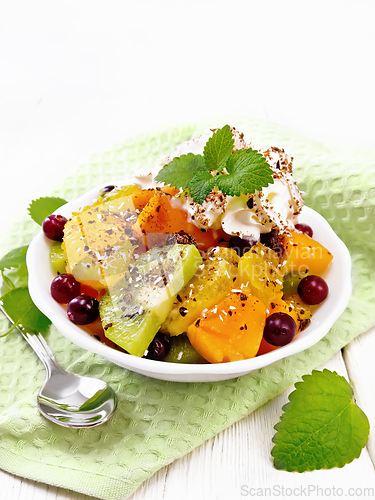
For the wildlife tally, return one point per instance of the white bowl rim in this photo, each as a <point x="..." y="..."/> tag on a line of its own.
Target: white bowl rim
<point x="40" y="273"/>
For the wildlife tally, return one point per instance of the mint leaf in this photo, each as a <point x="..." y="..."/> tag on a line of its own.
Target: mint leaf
<point x="43" y="207"/>
<point x="248" y="172"/>
<point x="218" y="148"/>
<point x="201" y="186"/>
<point x="17" y="277"/>
<point x="21" y="309"/>
<point x="321" y="426"/>
<point x="180" y="171"/>
<point x="14" y="258"/>
<point x="7" y="283"/>
<point x="13" y="269"/>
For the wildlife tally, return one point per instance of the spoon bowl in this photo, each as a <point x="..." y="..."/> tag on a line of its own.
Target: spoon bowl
<point x="74" y="401"/>
<point x="66" y="399"/>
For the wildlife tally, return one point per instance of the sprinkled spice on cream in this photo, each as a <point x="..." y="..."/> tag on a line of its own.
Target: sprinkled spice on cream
<point x="275" y="207"/>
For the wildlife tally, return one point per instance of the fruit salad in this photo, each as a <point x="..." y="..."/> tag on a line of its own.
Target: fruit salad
<point x="202" y="259"/>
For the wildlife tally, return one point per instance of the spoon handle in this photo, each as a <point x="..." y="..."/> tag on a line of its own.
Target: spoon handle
<point x="38" y="344"/>
<point x="41" y="348"/>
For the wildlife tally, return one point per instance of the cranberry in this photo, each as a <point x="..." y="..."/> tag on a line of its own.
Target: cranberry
<point x="280" y="329"/>
<point x="108" y="189"/>
<point x="64" y="288"/>
<point x="313" y="290"/>
<point x="304" y="228"/>
<point x="159" y="347"/>
<point x="53" y="227"/>
<point x="241" y="245"/>
<point x="83" y="310"/>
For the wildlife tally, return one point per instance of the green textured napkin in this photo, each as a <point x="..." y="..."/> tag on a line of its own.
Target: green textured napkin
<point x="156" y="421"/>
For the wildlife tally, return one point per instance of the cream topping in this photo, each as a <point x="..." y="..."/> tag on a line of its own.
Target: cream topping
<point x="275" y="207"/>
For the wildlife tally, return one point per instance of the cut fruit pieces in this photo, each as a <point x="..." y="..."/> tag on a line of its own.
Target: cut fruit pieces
<point x="230" y="331"/>
<point x="305" y="254"/>
<point x="210" y="284"/>
<point x="133" y="310"/>
<point x="166" y="215"/>
<point x="281" y="306"/>
<point x="57" y="258"/>
<point x="97" y="242"/>
<point x="114" y="194"/>
<point x="181" y="351"/>
<point x="260" y="270"/>
<point x="301" y="310"/>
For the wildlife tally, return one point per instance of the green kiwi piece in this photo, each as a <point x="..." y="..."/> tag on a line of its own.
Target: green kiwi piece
<point x="57" y="258"/>
<point x="133" y="310"/>
<point x="182" y="351"/>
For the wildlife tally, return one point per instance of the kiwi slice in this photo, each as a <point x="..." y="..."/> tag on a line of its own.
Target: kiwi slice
<point x="133" y="310"/>
<point x="181" y="351"/>
<point x="57" y="258"/>
<point x="213" y="282"/>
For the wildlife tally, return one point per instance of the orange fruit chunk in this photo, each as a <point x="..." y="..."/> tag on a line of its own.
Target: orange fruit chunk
<point x="303" y="253"/>
<point x="230" y="331"/>
<point x="142" y="196"/>
<point x="162" y="216"/>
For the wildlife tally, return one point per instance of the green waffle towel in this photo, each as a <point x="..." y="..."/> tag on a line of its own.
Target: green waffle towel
<point x="156" y="421"/>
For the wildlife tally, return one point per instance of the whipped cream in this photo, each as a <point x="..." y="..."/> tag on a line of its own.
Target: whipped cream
<point x="274" y="207"/>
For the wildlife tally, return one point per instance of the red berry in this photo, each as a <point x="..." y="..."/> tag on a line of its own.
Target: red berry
<point x="280" y="329"/>
<point x="83" y="310"/>
<point x="108" y="189"/>
<point x="313" y="290"/>
<point x="64" y="288"/>
<point x="53" y="227"/>
<point x="159" y="347"/>
<point x="305" y="228"/>
<point x="241" y="245"/>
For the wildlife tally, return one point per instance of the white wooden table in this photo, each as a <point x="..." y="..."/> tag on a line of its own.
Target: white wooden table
<point x="77" y="78"/>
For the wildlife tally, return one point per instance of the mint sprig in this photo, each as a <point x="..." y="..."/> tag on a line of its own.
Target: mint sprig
<point x="233" y="173"/>
<point x="321" y="426"/>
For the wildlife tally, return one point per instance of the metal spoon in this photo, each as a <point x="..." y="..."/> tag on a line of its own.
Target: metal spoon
<point x="66" y="399"/>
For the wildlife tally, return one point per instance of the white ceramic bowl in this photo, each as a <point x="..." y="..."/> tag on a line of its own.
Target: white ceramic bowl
<point x="338" y="278"/>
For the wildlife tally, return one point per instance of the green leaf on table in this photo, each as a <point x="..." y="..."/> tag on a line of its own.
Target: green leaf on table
<point x="16" y="277"/>
<point x="43" y="207"/>
<point x="14" y="258"/>
<point x="13" y="269"/>
<point x="7" y="284"/>
<point x="181" y="170"/>
<point x="248" y="172"/>
<point x="321" y="426"/>
<point x="218" y="149"/>
<point x="22" y="310"/>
